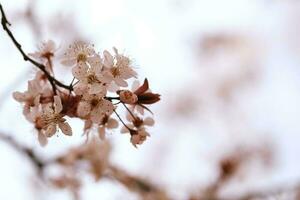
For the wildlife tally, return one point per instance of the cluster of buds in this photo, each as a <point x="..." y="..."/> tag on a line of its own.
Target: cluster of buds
<point x="100" y="84"/>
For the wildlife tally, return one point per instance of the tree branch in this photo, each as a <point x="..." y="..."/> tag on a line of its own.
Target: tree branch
<point x="53" y="81"/>
<point x="32" y="157"/>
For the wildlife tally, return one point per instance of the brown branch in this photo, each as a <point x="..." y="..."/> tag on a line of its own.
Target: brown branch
<point x="53" y="81"/>
<point x="138" y="185"/>
<point x="267" y="193"/>
<point x="27" y="152"/>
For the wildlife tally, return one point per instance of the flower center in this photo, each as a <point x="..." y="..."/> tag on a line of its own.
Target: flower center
<point x="92" y="79"/>
<point x="81" y="57"/>
<point x="104" y="119"/>
<point x="94" y="102"/>
<point x="115" y="71"/>
<point x="137" y="122"/>
<point x="54" y="118"/>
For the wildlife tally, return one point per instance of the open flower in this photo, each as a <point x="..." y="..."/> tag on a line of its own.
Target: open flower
<point x="136" y="123"/>
<point x="137" y="128"/>
<point x="30" y="97"/>
<point x="45" y="51"/>
<point x="138" y="137"/>
<point x="77" y="53"/>
<point x="127" y="96"/>
<point x="52" y="117"/>
<point x="90" y="79"/>
<point x="95" y="107"/>
<point x="117" y="68"/>
<point x="106" y="123"/>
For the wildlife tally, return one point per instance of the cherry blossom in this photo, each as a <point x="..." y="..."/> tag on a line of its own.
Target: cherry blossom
<point x="45" y="51"/>
<point x="137" y="128"/>
<point x="95" y="106"/>
<point x="118" y="69"/>
<point x="90" y="79"/>
<point x="126" y="96"/>
<point x="30" y="97"/>
<point x="52" y="117"/>
<point x="138" y="137"/>
<point x="78" y="52"/>
<point x="92" y="96"/>
<point x="106" y="123"/>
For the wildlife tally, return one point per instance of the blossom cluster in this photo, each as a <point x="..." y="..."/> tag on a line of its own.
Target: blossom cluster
<point x="100" y="84"/>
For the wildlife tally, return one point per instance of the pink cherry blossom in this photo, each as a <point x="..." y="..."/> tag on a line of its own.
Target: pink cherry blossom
<point x="78" y="52"/>
<point x="52" y="118"/>
<point x="95" y="106"/>
<point x="118" y="69"/>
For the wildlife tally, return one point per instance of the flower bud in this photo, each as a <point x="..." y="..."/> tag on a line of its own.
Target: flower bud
<point x="128" y="97"/>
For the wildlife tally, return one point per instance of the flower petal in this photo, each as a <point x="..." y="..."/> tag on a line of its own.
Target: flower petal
<point x="112" y="123"/>
<point x="148" y="121"/>
<point x="83" y="109"/>
<point x="101" y="132"/>
<point x="97" y="115"/>
<point x="65" y="128"/>
<point x="69" y="62"/>
<point x="42" y="139"/>
<point x="51" y="130"/>
<point x="120" y="82"/>
<point x="80" y="70"/>
<point x="19" y="96"/>
<point x="57" y="104"/>
<point x="80" y="88"/>
<point x="97" y="88"/>
<point x="108" y="59"/>
<point x="106" y="106"/>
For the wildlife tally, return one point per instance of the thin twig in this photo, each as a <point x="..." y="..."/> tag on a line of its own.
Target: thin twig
<point x="121" y="120"/>
<point x="53" y="81"/>
<point x="134" y="117"/>
<point x="35" y="160"/>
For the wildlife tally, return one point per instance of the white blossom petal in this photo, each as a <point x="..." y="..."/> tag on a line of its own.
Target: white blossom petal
<point x="65" y="128"/>
<point x="57" y="104"/>
<point x="106" y="106"/>
<point x="148" y="121"/>
<point x="120" y="82"/>
<point x="83" y="109"/>
<point x="108" y="59"/>
<point x="124" y="130"/>
<point x="97" y="88"/>
<point x="80" y="70"/>
<point x="51" y="130"/>
<point x="69" y="62"/>
<point x="42" y="139"/>
<point x="112" y="123"/>
<point x="80" y="88"/>
<point x="97" y="115"/>
<point x="19" y="96"/>
<point x="101" y="132"/>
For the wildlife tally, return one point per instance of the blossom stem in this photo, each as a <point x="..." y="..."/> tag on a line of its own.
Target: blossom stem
<point x="53" y="81"/>
<point x="129" y="111"/>
<point x="121" y="120"/>
<point x="112" y="98"/>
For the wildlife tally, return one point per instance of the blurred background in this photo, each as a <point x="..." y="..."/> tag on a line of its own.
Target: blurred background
<point x="229" y="77"/>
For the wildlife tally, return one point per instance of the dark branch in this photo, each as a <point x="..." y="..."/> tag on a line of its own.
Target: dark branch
<point x="54" y="82"/>
<point x="32" y="157"/>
